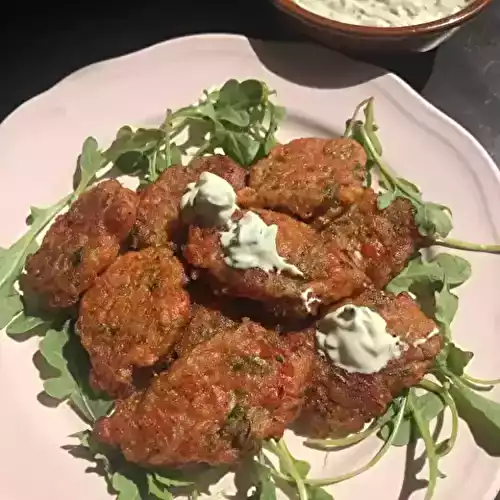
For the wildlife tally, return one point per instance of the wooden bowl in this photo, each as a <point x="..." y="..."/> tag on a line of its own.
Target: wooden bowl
<point x="362" y="39"/>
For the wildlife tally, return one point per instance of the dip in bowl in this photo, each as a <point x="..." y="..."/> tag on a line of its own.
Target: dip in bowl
<point x="380" y="25"/>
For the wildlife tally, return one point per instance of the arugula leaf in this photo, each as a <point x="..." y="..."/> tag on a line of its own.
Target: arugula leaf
<point x="125" y="488"/>
<point x="265" y="486"/>
<point x="456" y="269"/>
<point x="12" y="260"/>
<point x="24" y="323"/>
<point x="481" y="414"/>
<point x="430" y="447"/>
<point x="89" y="163"/>
<point x="61" y="353"/>
<point x="446" y="306"/>
<point x="157" y="490"/>
<point x="430" y="406"/>
<point x="433" y="219"/>
<point x="10" y="305"/>
<point x="454" y="359"/>
<point x="317" y="493"/>
<point x="418" y="271"/>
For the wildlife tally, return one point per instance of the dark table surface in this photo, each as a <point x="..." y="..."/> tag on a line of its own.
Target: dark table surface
<point x="44" y="43"/>
<point x="41" y="44"/>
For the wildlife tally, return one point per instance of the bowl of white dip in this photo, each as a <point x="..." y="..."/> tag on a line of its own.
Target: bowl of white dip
<point x="380" y="25"/>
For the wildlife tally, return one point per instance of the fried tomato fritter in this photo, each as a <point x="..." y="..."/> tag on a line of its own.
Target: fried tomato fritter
<point x="217" y="403"/>
<point x="340" y="402"/>
<point x="133" y="316"/>
<point x="305" y="177"/>
<point x="207" y="321"/>
<point x="328" y="276"/>
<point x="158" y="215"/>
<point x="80" y="245"/>
<point x="380" y="242"/>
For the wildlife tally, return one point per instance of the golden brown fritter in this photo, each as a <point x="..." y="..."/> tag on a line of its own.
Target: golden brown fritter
<point x="380" y="242"/>
<point x="80" y="245"/>
<point x="217" y="403"/>
<point x="339" y="402"/>
<point x="132" y="317"/>
<point x="328" y="276"/>
<point x="306" y="177"/>
<point x="207" y="321"/>
<point x="158" y="215"/>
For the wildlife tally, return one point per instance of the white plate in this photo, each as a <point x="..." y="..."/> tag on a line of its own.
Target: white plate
<point x="39" y="143"/>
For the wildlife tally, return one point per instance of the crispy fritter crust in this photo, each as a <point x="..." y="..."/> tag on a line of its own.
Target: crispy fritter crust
<point x="217" y="403"/>
<point x="304" y="176"/>
<point x="158" y="215"/>
<point x="133" y="316"/>
<point x="207" y="321"/>
<point x="80" y="245"/>
<point x="339" y="402"/>
<point x="380" y="242"/>
<point x="327" y="274"/>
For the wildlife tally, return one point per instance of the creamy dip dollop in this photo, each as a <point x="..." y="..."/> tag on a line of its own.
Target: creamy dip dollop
<point x="356" y="339"/>
<point x="251" y="243"/>
<point x="383" y="13"/>
<point x="211" y="200"/>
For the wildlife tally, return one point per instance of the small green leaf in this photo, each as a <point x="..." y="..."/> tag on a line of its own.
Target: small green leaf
<point x="303" y="468"/>
<point x="155" y="490"/>
<point x="172" y="482"/>
<point x="90" y="162"/>
<point x="433" y="219"/>
<point x="10" y="306"/>
<point x="446" y="306"/>
<point x="24" y="323"/>
<point x="125" y="488"/>
<point x="411" y="189"/>
<point x="59" y="388"/>
<point x="481" y="414"/>
<point x="456" y="269"/>
<point x="417" y="271"/>
<point x="231" y="115"/>
<point x="240" y="146"/>
<point x="457" y="359"/>
<point x="141" y="141"/>
<point x="254" y="91"/>
<point x="132" y="162"/>
<point x="317" y="493"/>
<point x="385" y="199"/>
<point x="230" y="94"/>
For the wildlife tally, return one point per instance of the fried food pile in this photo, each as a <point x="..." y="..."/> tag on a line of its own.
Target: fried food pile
<point x="207" y="360"/>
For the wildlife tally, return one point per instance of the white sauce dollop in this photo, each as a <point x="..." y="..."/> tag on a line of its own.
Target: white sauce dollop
<point x="251" y="243"/>
<point x="356" y="339"/>
<point x="211" y="199"/>
<point x="383" y="13"/>
<point x="309" y="299"/>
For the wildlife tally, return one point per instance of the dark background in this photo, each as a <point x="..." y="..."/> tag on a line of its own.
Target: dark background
<point x="41" y="43"/>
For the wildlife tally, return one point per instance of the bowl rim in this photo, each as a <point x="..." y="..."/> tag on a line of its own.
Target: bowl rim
<point x="448" y="22"/>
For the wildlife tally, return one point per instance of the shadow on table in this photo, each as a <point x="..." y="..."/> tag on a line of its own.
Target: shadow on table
<point x="292" y="62"/>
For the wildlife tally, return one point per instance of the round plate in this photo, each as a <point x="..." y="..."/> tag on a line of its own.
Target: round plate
<point x="39" y="144"/>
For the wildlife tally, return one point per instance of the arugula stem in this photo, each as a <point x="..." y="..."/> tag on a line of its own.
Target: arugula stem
<point x="387" y="171"/>
<point x="444" y="394"/>
<point x="352" y="121"/>
<point x="430" y="448"/>
<point x="25" y="241"/>
<point x="465" y="245"/>
<point x="287" y="461"/>
<point x="327" y="444"/>
<point x="383" y="450"/>
<point x="487" y="383"/>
